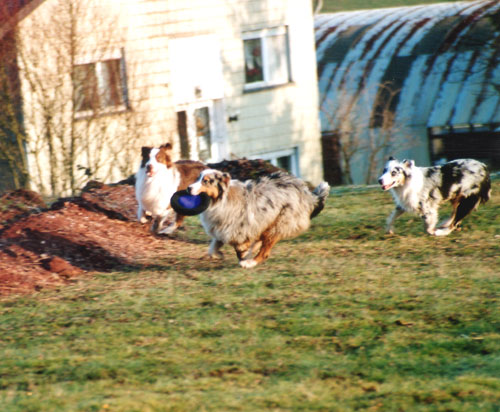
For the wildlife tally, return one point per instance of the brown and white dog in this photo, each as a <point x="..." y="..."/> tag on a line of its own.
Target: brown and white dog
<point x="464" y="182"/>
<point x="252" y="216"/>
<point x="157" y="179"/>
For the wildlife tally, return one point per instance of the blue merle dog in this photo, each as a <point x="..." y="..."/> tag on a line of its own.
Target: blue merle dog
<point x="464" y="182"/>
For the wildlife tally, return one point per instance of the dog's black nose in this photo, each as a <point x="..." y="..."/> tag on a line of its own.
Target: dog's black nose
<point x="380" y="181"/>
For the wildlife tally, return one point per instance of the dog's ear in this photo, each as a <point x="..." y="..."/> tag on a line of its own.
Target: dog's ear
<point x="391" y="158"/>
<point x="226" y="178"/>
<point x="166" y="154"/>
<point x="145" y="150"/>
<point x="409" y="163"/>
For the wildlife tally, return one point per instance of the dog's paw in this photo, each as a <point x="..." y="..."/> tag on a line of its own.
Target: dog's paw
<point x="143" y="219"/>
<point x="216" y="255"/>
<point x="249" y="263"/>
<point x="442" y="231"/>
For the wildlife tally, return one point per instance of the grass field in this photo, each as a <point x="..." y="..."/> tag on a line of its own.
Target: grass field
<point x="343" y="318"/>
<point x="331" y="6"/>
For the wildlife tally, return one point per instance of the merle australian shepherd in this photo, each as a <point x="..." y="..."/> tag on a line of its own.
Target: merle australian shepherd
<point x="464" y="182"/>
<point x="157" y="179"/>
<point x="252" y="216"/>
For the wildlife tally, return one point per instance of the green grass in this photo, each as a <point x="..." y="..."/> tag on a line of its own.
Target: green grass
<point x="331" y="6"/>
<point x="343" y="318"/>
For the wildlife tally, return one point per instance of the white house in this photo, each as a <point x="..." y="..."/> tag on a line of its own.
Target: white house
<point x="219" y="79"/>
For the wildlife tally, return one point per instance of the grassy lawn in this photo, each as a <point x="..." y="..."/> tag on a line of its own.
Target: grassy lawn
<point x="331" y="6"/>
<point x="343" y="318"/>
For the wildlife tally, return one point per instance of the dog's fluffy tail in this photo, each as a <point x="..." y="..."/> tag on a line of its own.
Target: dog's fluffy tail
<point x="485" y="189"/>
<point x="321" y="192"/>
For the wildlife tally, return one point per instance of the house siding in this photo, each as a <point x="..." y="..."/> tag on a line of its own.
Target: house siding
<point x="268" y="120"/>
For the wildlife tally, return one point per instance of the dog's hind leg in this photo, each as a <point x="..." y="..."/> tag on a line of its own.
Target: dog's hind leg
<point x="464" y="207"/>
<point x="268" y="241"/>
<point x="398" y="211"/>
<point x="159" y="226"/>
<point x="214" y="249"/>
<point x="154" y="225"/>
<point x="444" y="227"/>
<point x="172" y="227"/>
<point x="246" y="250"/>
<point x="254" y="248"/>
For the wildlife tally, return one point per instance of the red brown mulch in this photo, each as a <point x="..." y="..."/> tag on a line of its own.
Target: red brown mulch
<point x="43" y="246"/>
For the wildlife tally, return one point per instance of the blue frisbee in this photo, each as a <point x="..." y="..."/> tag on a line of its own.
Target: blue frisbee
<point x="189" y="205"/>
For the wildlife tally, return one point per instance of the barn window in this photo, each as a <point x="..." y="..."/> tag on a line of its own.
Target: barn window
<point x="267" y="60"/>
<point x="100" y="86"/>
<point x="475" y="141"/>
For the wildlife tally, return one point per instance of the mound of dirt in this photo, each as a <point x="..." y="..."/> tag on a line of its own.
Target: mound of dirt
<point x="19" y="202"/>
<point x="42" y="246"/>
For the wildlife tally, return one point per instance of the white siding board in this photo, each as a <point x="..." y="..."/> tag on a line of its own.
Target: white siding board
<point x="287" y="116"/>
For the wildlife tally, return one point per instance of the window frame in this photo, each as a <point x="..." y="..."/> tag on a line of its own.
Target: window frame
<point x="264" y="35"/>
<point x="100" y="91"/>
<point x="272" y="157"/>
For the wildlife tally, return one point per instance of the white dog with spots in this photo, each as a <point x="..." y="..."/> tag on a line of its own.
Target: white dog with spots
<point x="464" y="182"/>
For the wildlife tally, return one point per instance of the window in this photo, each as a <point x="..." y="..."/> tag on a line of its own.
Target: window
<point x="454" y="143"/>
<point x="202" y="123"/>
<point x="199" y="134"/>
<point x="287" y="159"/>
<point x="100" y="85"/>
<point x="266" y="58"/>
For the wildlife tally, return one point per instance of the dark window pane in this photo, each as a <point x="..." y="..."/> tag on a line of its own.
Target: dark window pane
<point x="112" y="85"/>
<point x="85" y="87"/>
<point x="202" y="121"/>
<point x="253" y="61"/>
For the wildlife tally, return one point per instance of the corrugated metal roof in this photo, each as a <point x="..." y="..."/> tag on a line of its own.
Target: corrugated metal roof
<point x="442" y="59"/>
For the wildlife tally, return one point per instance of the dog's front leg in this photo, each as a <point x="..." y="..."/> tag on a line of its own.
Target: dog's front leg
<point x="214" y="249"/>
<point x="430" y="218"/>
<point x="398" y="211"/>
<point x="141" y="215"/>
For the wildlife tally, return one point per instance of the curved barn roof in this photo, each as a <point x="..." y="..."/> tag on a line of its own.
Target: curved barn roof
<point x="443" y="61"/>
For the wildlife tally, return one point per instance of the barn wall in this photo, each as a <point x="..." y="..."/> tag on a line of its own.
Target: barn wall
<point x="430" y="68"/>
